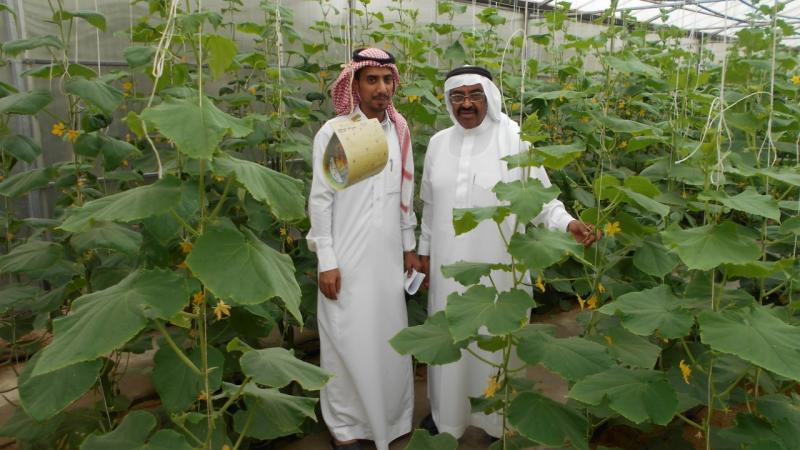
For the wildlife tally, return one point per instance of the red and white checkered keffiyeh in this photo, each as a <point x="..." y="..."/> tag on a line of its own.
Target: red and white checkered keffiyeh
<point x="345" y="100"/>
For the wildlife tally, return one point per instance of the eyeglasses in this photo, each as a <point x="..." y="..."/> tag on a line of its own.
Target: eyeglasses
<point x="474" y="97"/>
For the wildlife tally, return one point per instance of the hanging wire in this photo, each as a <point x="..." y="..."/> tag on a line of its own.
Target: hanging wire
<point x="97" y="35"/>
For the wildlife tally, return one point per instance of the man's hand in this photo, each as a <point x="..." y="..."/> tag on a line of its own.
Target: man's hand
<point x="330" y="282"/>
<point x="411" y="261"/>
<point x="584" y="234"/>
<point x="425" y="261"/>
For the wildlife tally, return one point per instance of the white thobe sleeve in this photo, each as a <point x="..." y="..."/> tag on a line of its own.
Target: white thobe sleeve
<point x="408" y="222"/>
<point x="320" y="207"/>
<point x="426" y="194"/>
<point x="554" y="215"/>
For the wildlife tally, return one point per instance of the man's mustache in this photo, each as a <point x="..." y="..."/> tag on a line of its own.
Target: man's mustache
<point x="462" y="110"/>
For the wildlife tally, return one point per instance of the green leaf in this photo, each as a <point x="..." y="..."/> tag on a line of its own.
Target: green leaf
<point x="14" y="48"/>
<point x="540" y="248"/>
<point x="177" y="385"/>
<point x="108" y="236"/>
<point x="644" y="201"/>
<point x="630" y="349"/>
<point x="638" y="395"/>
<point x="129" y="435"/>
<point x="749" y="201"/>
<point x="95" y="19"/>
<point x="196" y="130"/>
<point x="277" y="414"/>
<point x="126" y="206"/>
<point x="573" y="358"/>
<point x="755" y="335"/>
<point x="757" y="269"/>
<point x="619" y="125"/>
<point x="430" y="343"/>
<point x="57" y="69"/>
<point x="221" y="52"/>
<point x="526" y="200"/>
<point x="706" y="247"/>
<point x="422" y="440"/>
<point x="20" y="147"/>
<point x="548" y="422"/>
<point x="466" y="219"/>
<point x="103" y="321"/>
<point x="114" y="151"/>
<point x="27" y="103"/>
<point x="15" y="295"/>
<point x="632" y="64"/>
<point x="282" y="193"/>
<point x="46" y="395"/>
<point x="783" y="174"/>
<point x="27" y="181"/>
<point x="469" y="273"/>
<point x="481" y="305"/>
<point x="455" y="52"/>
<point x="222" y="257"/>
<point x="557" y="157"/>
<point x="138" y="56"/>
<point x="31" y="257"/>
<point x="654" y="259"/>
<point x="653" y="309"/>
<point x="791" y="226"/>
<point x="277" y="367"/>
<point x="167" y="440"/>
<point x="96" y="93"/>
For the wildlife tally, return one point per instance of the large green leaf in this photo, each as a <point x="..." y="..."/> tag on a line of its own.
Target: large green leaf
<point x="466" y="219"/>
<point x="539" y="248"/>
<point x="114" y="150"/>
<point x="127" y="206"/>
<point x="14" y="48"/>
<point x="27" y="103"/>
<point x="272" y="413"/>
<point x="706" y="247"/>
<point x="138" y="56"/>
<point x="17" y="295"/>
<point x="277" y="367"/>
<point x="573" y="358"/>
<point x="481" y="305"/>
<point x="20" y="147"/>
<point x="133" y="433"/>
<point x="755" y="335"/>
<point x="630" y="349"/>
<point x="94" y="18"/>
<point x="548" y="422"/>
<point x="653" y="309"/>
<point x="786" y="175"/>
<point x="619" y="125"/>
<point x="749" y="201"/>
<point x="644" y="201"/>
<point x="469" y="273"/>
<point x="632" y="64"/>
<point x="222" y="257"/>
<point x="31" y="257"/>
<point x="167" y="440"/>
<point x="422" y="440"/>
<point x="104" y="320"/>
<point x="638" y="395"/>
<point x="96" y="93"/>
<point x="556" y="157"/>
<point x="526" y="200"/>
<point x="26" y="181"/>
<point x="430" y="343"/>
<point x="46" y="395"/>
<point x="654" y="259"/>
<point x="108" y="236"/>
<point x="221" y="51"/>
<point x="177" y="385"/>
<point x="282" y="193"/>
<point x="196" y="130"/>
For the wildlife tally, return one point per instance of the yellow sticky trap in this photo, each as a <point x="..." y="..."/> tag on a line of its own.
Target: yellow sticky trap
<point x="357" y="150"/>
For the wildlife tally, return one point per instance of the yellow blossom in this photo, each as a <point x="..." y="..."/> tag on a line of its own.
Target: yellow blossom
<point x="585" y="119"/>
<point x="282" y="232"/>
<point x="686" y="371"/>
<point x="125" y="163"/>
<point x="581" y="302"/>
<point x="289" y="240"/>
<point x="621" y="104"/>
<point x="642" y="113"/>
<point x="58" y="129"/>
<point x="540" y="283"/>
<point x="222" y="310"/>
<point x="72" y="135"/>
<point x="440" y="96"/>
<point x="198" y="298"/>
<point x="413" y="98"/>
<point x="592" y="302"/>
<point x="323" y="73"/>
<point x="492" y="388"/>
<point x="128" y="137"/>
<point x="623" y="144"/>
<point x="594" y="100"/>
<point x="202" y="396"/>
<point x="182" y="265"/>
<point x="612" y="228"/>
<point x="610" y="340"/>
<point x="252" y="90"/>
<point x="600" y="288"/>
<point x="226" y="447"/>
<point x="515" y="106"/>
<point x="219" y="179"/>
<point x="796" y="79"/>
<point x="569" y="86"/>
<point x="127" y="87"/>
<point x="186" y="247"/>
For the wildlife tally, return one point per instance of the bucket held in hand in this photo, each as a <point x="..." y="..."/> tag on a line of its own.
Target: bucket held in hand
<point x="357" y="150"/>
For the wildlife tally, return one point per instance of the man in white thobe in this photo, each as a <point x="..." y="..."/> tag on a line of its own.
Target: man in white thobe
<point x="462" y="165"/>
<point x="364" y="240"/>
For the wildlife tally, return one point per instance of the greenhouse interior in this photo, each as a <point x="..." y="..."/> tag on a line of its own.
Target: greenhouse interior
<point x="620" y="275"/>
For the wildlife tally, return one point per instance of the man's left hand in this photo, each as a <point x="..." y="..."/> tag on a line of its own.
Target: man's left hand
<point x="411" y="261"/>
<point x="584" y="234"/>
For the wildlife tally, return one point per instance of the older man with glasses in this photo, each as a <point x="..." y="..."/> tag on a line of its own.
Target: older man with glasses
<point x="462" y="165"/>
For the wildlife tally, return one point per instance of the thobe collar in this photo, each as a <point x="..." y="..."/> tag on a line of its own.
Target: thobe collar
<point x="485" y="127"/>
<point x="357" y="112"/>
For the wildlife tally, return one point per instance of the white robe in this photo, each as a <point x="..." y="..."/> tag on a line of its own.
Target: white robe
<point x="359" y="231"/>
<point x="461" y="168"/>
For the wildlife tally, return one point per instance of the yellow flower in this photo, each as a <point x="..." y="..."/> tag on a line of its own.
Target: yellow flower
<point x="600" y="288"/>
<point x="127" y="87"/>
<point x="621" y="104"/>
<point x="581" y="302"/>
<point x="282" y="232"/>
<point x="440" y="96"/>
<point x="202" y="396"/>
<point x="252" y="90"/>
<point x="198" y="298"/>
<point x="226" y="447"/>
<point x="222" y="310"/>
<point x="594" y="100"/>
<point x="186" y="247"/>
<point x="413" y="98"/>
<point x="592" y="302"/>
<point x="612" y="228"/>
<point x="72" y="135"/>
<point x="125" y="163"/>
<point x="585" y="119"/>
<point x="492" y="388"/>
<point x="323" y="73"/>
<point x="182" y="265"/>
<point x="219" y="179"/>
<point x="642" y="113"/>
<point x="796" y="79"/>
<point x="623" y="144"/>
<point x="540" y="283"/>
<point x="569" y="86"/>
<point x="686" y="371"/>
<point x="289" y="240"/>
<point x="515" y="106"/>
<point x="128" y="137"/>
<point x="610" y="340"/>
<point x="58" y="129"/>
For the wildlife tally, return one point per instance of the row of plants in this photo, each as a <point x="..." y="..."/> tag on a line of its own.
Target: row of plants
<point x="688" y="163"/>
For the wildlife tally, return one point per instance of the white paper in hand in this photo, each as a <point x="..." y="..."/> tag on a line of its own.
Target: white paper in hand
<point x="413" y="281"/>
